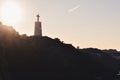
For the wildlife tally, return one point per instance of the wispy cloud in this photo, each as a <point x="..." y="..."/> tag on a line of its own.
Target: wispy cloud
<point x="73" y="9"/>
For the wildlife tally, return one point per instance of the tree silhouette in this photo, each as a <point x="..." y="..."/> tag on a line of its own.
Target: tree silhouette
<point x="35" y="58"/>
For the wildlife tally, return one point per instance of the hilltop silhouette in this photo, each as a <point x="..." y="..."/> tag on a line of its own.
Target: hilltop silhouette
<point x="43" y="58"/>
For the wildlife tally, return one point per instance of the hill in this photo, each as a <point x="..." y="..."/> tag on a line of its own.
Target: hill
<point x="35" y="58"/>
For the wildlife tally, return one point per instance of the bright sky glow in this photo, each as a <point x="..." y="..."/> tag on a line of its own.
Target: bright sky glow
<point x="83" y="23"/>
<point x="11" y="13"/>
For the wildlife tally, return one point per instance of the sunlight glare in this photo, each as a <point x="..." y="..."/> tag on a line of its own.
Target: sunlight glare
<point x="11" y="13"/>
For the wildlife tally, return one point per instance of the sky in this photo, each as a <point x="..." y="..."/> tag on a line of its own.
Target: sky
<point x="83" y="23"/>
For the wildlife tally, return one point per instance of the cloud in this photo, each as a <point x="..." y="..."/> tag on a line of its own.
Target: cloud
<point x="73" y="9"/>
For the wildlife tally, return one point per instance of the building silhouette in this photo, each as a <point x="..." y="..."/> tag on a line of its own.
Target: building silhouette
<point x="38" y="27"/>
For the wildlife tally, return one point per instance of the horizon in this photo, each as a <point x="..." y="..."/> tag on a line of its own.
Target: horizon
<point x="96" y="23"/>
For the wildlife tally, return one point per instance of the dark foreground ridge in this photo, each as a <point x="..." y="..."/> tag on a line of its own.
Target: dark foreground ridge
<point x="43" y="58"/>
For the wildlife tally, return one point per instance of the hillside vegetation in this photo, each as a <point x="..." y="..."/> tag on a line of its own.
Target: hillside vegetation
<point x="43" y="58"/>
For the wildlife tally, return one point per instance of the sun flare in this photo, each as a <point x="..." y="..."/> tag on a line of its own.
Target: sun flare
<point x="11" y="13"/>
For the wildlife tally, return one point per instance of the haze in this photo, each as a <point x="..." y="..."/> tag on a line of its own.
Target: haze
<point x="84" y="23"/>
